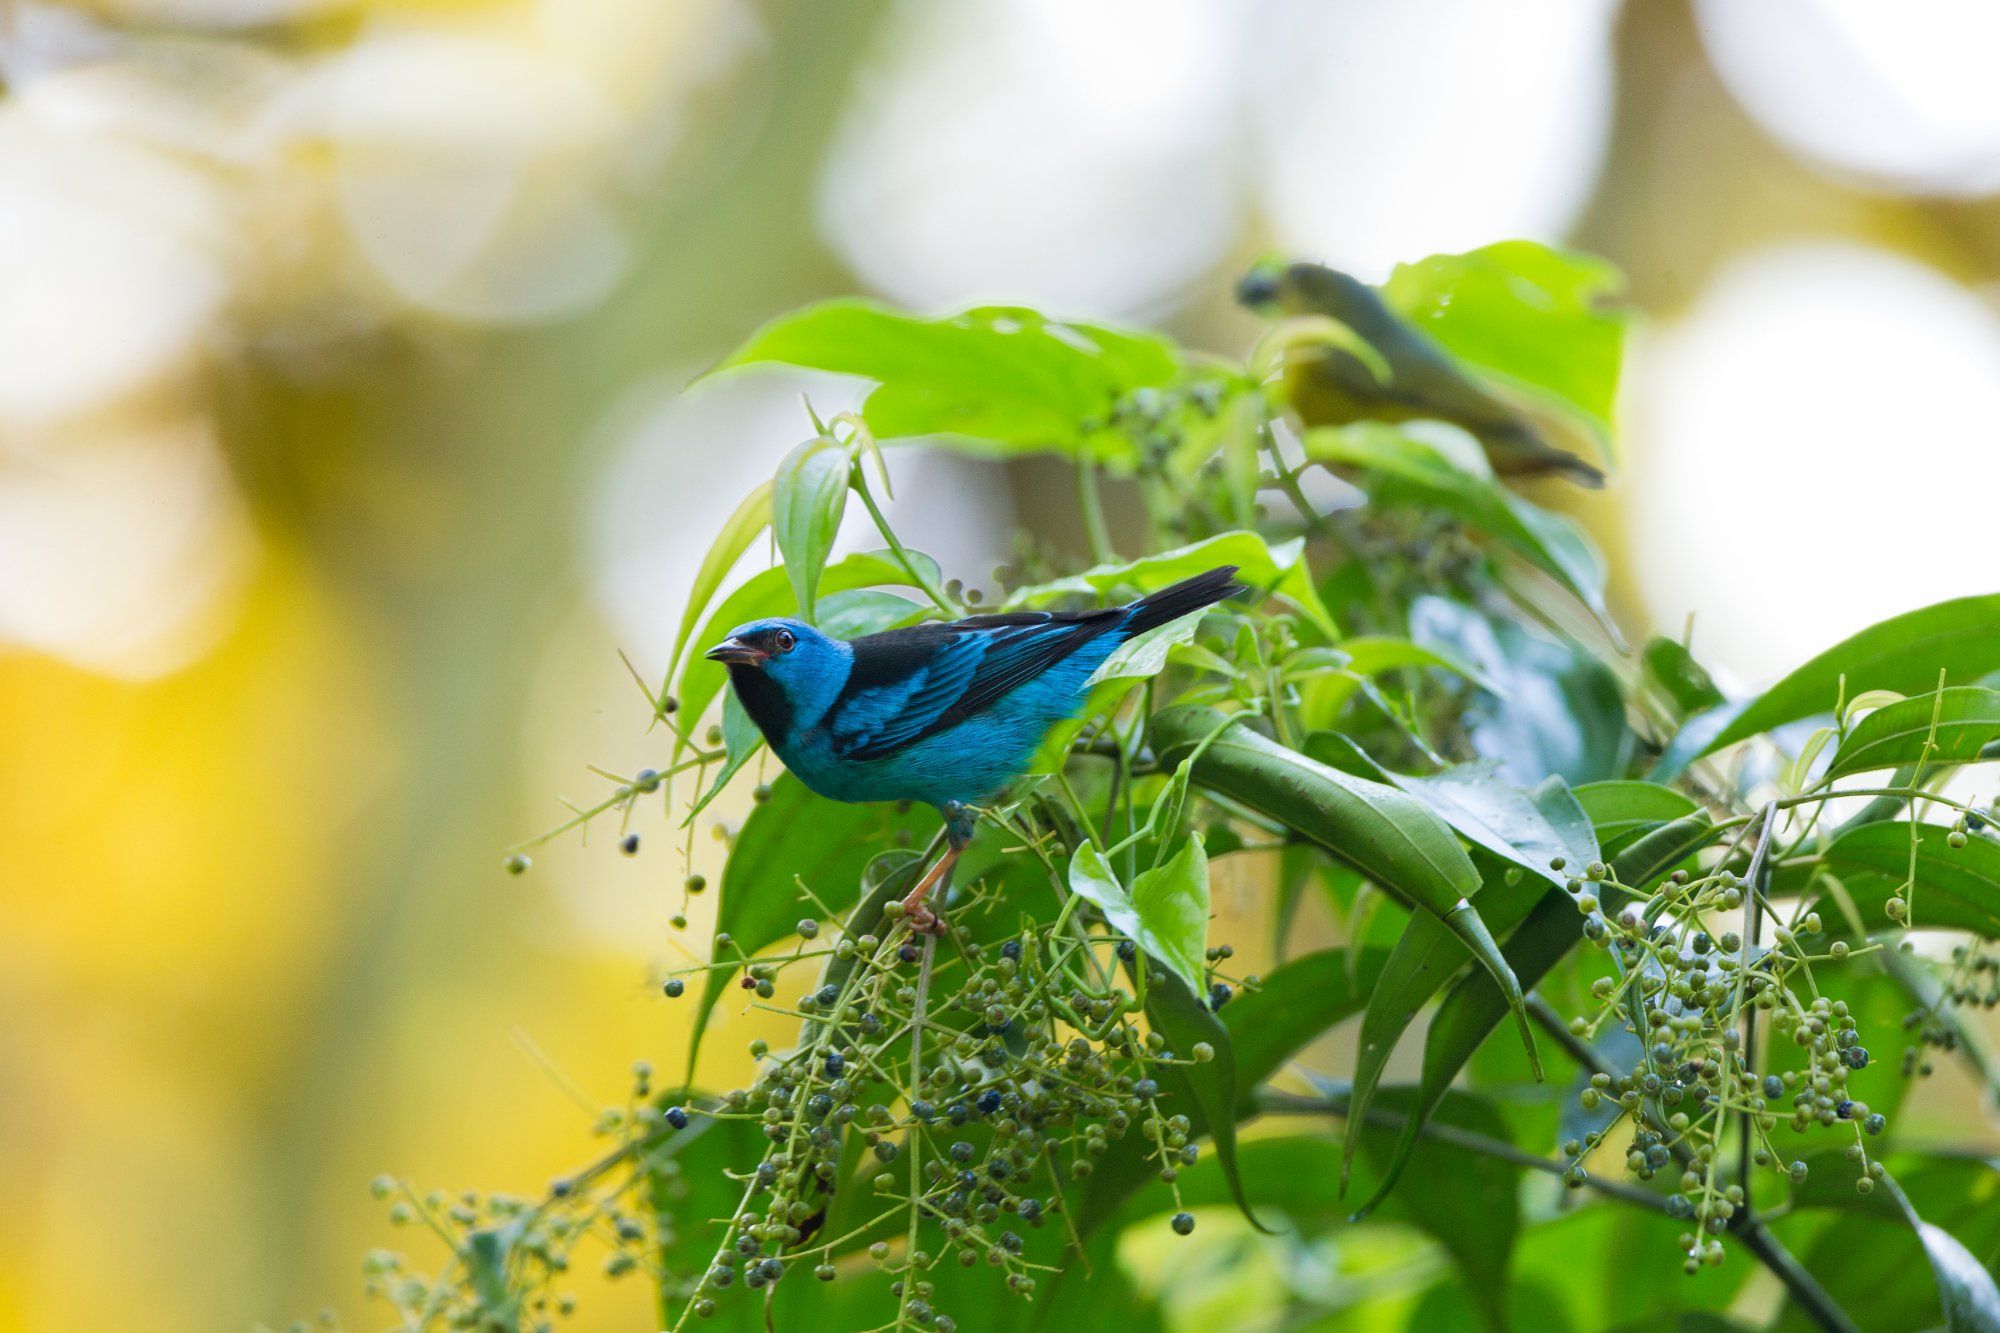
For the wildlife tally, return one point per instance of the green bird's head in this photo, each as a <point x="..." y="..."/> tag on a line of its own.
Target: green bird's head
<point x="1274" y="287"/>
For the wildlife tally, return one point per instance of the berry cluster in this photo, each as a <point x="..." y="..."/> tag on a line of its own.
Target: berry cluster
<point x="982" y="1079"/>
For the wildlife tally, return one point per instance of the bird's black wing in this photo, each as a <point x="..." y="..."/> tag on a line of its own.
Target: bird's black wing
<point x="911" y="683"/>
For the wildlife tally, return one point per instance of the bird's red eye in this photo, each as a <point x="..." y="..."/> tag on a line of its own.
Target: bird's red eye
<point x="783" y="640"/>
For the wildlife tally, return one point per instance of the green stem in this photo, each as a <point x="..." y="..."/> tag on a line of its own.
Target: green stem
<point x="918" y="578"/>
<point x="1092" y="505"/>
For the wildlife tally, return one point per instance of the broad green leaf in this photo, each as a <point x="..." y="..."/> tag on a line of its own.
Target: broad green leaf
<point x="741" y="528"/>
<point x="1388" y="835"/>
<point x="1671" y="669"/>
<point x="1552" y="708"/>
<point x="1011" y="380"/>
<point x="770" y="594"/>
<point x="1622" y="811"/>
<point x="1409" y="471"/>
<point x="1277" y="570"/>
<point x="1958" y="888"/>
<point x="1906" y="653"/>
<point x="1550" y="320"/>
<point x="1528" y="828"/>
<point x="1166" y="912"/>
<point x="1967" y="720"/>
<point x="808" y="497"/>
<point x="1424" y="959"/>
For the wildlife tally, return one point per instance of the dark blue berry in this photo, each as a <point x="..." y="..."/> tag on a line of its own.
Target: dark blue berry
<point x="1011" y="949"/>
<point x="677" y="1117"/>
<point x="1183" y="1224"/>
<point x="989" y="1101"/>
<point x="1218" y="995"/>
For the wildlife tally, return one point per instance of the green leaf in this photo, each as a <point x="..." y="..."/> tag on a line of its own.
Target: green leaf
<point x="1672" y="670"/>
<point x="1623" y="811"/>
<point x="1166" y="913"/>
<point x="768" y="594"/>
<point x="1551" y="708"/>
<point x="1424" y="959"/>
<point x="1550" y="320"/>
<point x="1906" y="1257"/>
<point x="1469" y="1203"/>
<point x="1388" y="835"/>
<point x="1277" y="570"/>
<point x="1178" y="1013"/>
<point x="808" y="497"/>
<point x="1407" y="471"/>
<point x="1958" y="888"/>
<point x="1906" y="653"/>
<point x="1528" y="828"/>
<point x="1967" y="720"/>
<point x="1012" y="380"/>
<point x="689" y="1180"/>
<point x="741" y="528"/>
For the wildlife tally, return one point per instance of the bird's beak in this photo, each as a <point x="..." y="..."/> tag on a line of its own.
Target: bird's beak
<point x="735" y="650"/>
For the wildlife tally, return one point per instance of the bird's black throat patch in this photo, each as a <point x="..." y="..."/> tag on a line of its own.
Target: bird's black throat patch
<point x="763" y="699"/>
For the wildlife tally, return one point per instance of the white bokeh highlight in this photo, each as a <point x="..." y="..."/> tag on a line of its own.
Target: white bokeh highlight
<point x="1077" y="157"/>
<point x="1899" y="96"/>
<point x="1812" y="451"/>
<point x="1385" y="133"/>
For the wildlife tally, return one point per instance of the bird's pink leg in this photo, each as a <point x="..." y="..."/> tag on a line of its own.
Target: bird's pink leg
<point x="921" y="917"/>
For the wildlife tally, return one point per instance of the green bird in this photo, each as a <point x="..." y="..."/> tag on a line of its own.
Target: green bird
<point x="1381" y="368"/>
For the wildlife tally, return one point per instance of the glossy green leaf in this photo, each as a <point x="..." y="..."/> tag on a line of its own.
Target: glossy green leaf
<point x="1404" y="470"/>
<point x="1424" y="959"/>
<point x="1469" y="1203"/>
<point x="1966" y="717"/>
<point x="1279" y="570"/>
<point x="1528" y="828"/>
<point x="808" y="497"/>
<point x="1166" y="911"/>
<point x="1006" y="380"/>
<point x="741" y="528"/>
<point x="1385" y="833"/>
<point x="1551" y="320"/>
<point x="1906" y="653"/>
<point x="1551" y="708"/>
<point x="1957" y="888"/>
<point x="770" y="594"/>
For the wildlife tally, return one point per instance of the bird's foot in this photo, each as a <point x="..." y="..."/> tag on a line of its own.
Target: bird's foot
<point x="924" y="921"/>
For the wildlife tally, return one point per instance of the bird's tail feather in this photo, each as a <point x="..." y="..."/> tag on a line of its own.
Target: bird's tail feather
<point x="1193" y="594"/>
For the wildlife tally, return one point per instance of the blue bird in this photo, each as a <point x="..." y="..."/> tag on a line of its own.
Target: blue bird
<point x="948" y="714"/>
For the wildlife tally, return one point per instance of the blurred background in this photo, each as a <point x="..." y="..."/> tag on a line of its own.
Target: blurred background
<point x="343" y="448"/>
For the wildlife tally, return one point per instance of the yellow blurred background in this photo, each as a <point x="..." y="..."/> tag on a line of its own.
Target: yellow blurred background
<point x="343" y="448"/>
